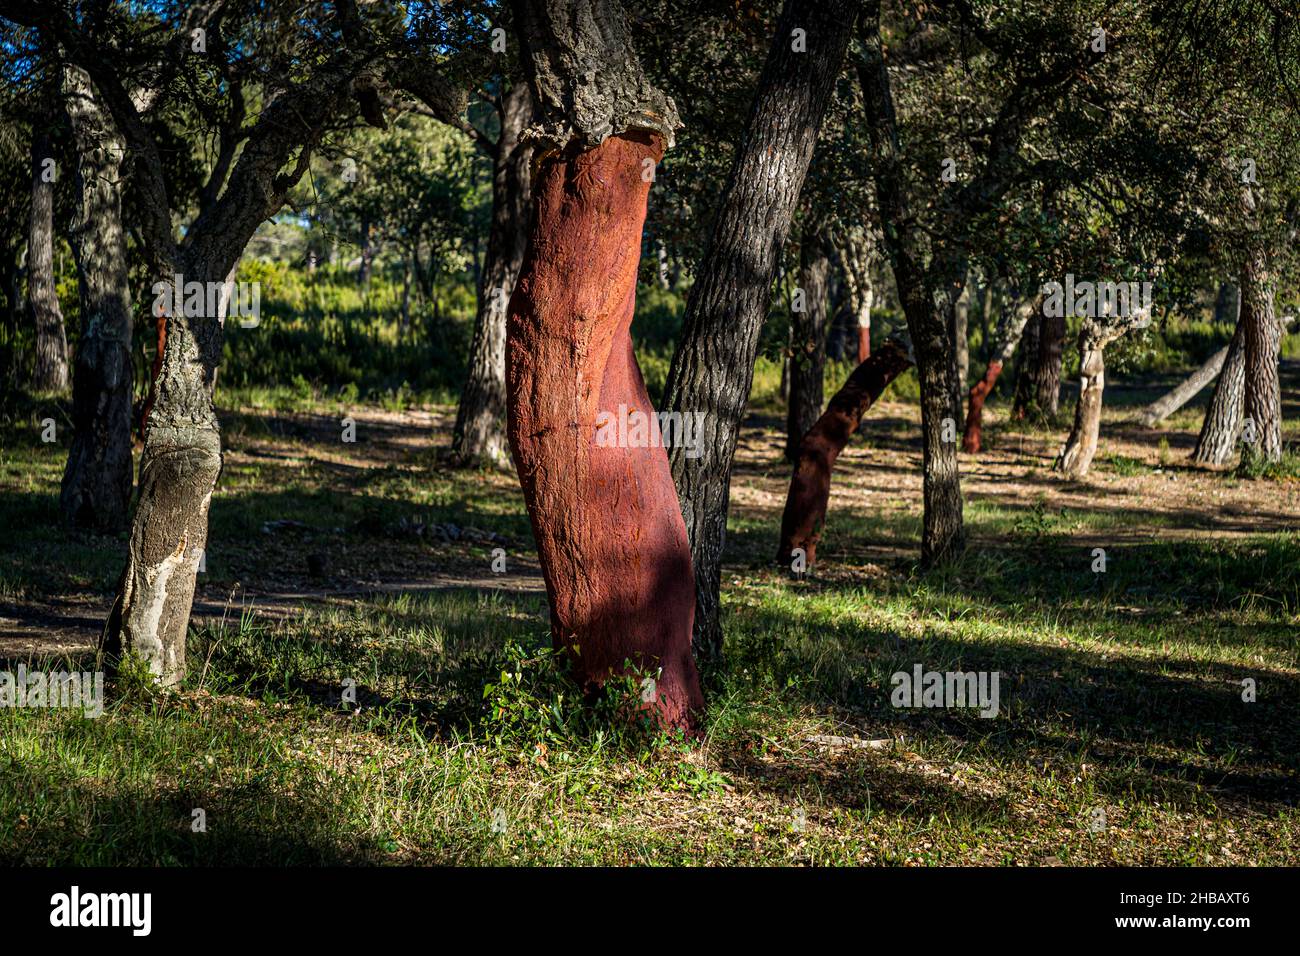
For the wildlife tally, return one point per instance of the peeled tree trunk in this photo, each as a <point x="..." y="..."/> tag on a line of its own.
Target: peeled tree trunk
<point x="1010" y="329"/>
<point x="51" y="374"/>
<point x="713" y="367"/>
<point x="610" y="535"/>
<point x="855" y="245"/>
<point x="810" y="487"/>
<point x="807" y="345"/>
<point x="96" y="488"/>
<point x="479" y="435"/>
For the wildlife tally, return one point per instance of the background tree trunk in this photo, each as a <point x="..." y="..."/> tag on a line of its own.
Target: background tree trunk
<point x="479" y="434"/>
<point x="96" y="489"/>
<point x="1076" y="457"/>
<point x="1009" y="331"/>
<point x="1263" y="340"/>
<point x="1047" y="367"/>
<point x="1222" y="422"/>
<point x="713" y="367"/>
<point x="810" y="486"/>
<point x="1184" y="391"/>
<point x="51" y="374"/>
<point x="807" y="345"/>
<point x="1026" y="388"/>
<point x="961" y="319"/>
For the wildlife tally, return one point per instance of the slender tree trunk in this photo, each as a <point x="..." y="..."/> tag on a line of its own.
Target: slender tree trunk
<point x="810" y="486"/>
<point x="961" y="318"/>
<point x="479" y="435"/>
<point x="1222" y="424"/>
<point x="1010" y="329"/>
<point x="1262" y="341"/>
<point x="96" y="487"/>
<point x="855" y="252"/>
<point x="713" y="367"/>
<point x="51" y="341"/>
<point x="1184" y="392"/>
<point x="807" y="345"/>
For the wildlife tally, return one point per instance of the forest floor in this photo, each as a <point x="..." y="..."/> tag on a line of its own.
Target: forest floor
<point x="1122" y="735"/>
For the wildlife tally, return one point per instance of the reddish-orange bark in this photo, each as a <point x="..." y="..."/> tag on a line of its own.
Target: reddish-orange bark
<point x="864" y="343"/>
<point x="970" y="441"/>
<point x="810" y="487"/>
<point x="608" y="527"/>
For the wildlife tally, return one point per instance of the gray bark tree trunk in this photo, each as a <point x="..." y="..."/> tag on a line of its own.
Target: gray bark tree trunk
<point x="480" y="435"/>
<point x="96" y="488"/>
<point x="1184" y="391"/>
<point x="1262" y="402"/>
<point x="51" y="373"/>
<point x="1222" y="423"/>
<point x="807" y="345"/>
<point x="961" y="321"/>
<point x="713" y="366"/>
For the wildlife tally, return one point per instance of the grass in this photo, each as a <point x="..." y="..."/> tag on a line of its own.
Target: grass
<point x="404" y="707"/>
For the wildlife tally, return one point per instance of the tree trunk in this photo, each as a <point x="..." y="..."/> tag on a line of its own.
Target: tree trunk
<point x="855" y="252"/>
<point x="713" y="367"/>
<point x="807" y="346"/>
<point x="810" y="486"/>
<point x="1222" y="423"/>
<point x="1184" y="392"/>
<point x="609" y="531"/>
<point x="1047" y="366"/>
<point x="51" y="373"/>
<point x="961" y="319"/>
<point x="604" y="511"/>
<point x="1009" y="331"/>
<point x="1076" y="457"/>
<point x="1026" y="389"/>
<point x="1263" y="340"/>
<point x="96" y="488"/>
<point x="479" y="435"/>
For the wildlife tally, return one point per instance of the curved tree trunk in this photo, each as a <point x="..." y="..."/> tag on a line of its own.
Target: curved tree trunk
<point x="609" y="531"/>
<point x="810" y="486"/>
<point x="51" y="373"/>
<point x="713" y="367"/>
<point x="479" y="435"/>
<point x="807" y="345"/>
<point x="1184" y="392"/>
<point x="1081" y="446"/>
<point x="96" y="488"/>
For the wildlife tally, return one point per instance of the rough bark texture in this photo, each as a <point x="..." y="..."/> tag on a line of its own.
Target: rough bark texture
<point x="96" y="488"/>
<point x="810" y="486"/>
<point x="479" y="435"/>
<point x="713" y="367"/>
<point x="1222" y="424"/>
<point x="1262" y="403"/>
<point x="51" y="373"/>
<point x="1046" y="373"/>
<point x="807" y="346"/>
<point x="585" y="74"/>
<point x="609" y="532"/>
